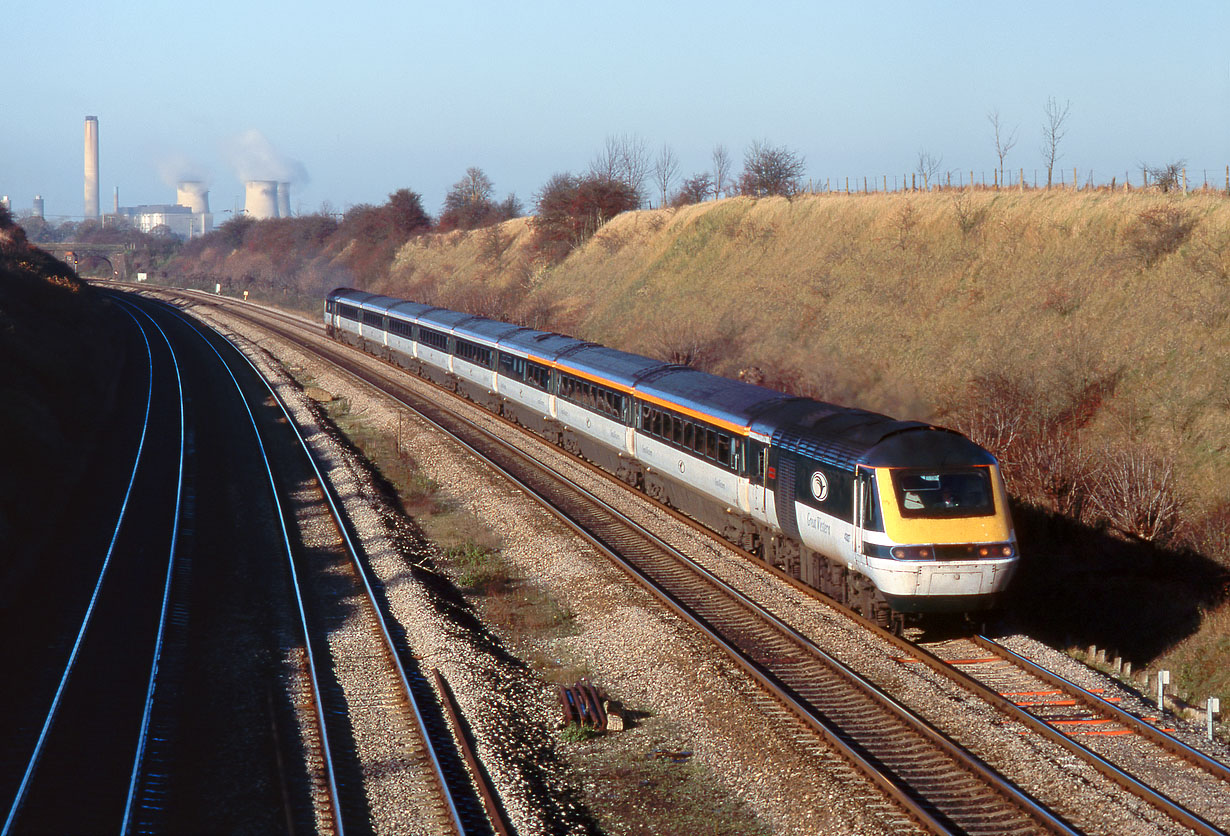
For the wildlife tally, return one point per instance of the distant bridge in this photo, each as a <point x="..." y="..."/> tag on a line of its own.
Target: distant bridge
<point x="83" y="257"/>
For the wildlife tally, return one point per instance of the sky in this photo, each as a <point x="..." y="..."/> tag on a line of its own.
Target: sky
<point x="356" y="100"/>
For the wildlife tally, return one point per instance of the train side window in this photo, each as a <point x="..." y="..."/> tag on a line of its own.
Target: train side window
<point x="538" y="375"/>
<point x="723" y="449"/>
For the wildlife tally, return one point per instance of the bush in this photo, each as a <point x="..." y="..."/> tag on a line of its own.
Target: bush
<point x="1133" y="488"/>
<point x="1210" y="535"/>
<point x="1158" y="232"/>
<point x="570" y="209"/>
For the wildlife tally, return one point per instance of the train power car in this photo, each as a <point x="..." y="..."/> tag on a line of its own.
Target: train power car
<point x="891" y="517"/>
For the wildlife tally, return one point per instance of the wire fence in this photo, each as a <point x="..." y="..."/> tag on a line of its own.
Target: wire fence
<point x="1206" y="181"/>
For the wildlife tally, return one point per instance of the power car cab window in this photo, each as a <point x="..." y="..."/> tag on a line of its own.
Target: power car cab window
<point x="961" y="493"/>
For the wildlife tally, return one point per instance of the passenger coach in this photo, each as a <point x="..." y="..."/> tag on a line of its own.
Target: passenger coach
<point x="891" y="517"/>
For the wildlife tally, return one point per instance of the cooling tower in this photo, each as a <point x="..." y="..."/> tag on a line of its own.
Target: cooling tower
<point x="91" y="167"/>
<point x="261" y="199"/>
<point x="283" y="200"/>
<point x="194" y="195"/>
<point x="37" y="209"/>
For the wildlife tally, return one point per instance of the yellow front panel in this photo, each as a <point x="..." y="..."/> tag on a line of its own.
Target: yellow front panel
<point x="996" y="528"/>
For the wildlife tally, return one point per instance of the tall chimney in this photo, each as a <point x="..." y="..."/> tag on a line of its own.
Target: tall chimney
<point x="91" y="167"/>
<point x="261" y="199"/>
<point x="283" y="200"/>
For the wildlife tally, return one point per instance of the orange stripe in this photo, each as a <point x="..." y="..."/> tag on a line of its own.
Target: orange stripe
<point x="738" y="429"/>
<point x="1047" y="702"/>
<point x="1092" y="721"/>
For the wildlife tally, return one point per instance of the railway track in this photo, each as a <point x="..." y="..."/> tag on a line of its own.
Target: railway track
<point x="938" y="785"/>
<point x="1135" y="752"/>
<point x="1185" y="785"/>
<point x="355" y="694"/>
<point x="102" y="698"/>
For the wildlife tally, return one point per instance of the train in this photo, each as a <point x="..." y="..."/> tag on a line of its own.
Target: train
<point x="896" y="519"/>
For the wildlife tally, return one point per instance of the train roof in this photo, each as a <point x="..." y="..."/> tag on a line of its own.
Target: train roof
<point x="845" y="437"/>
<point x="349" y="294"/>
<point x="608" y="364"/>
<point x="732" y="401"/>
<point x="442" y="319"/>
<point x="485" y="330"/>
<point x="380" y="304"/>
<point x="410" y="310"/>
<point x="542" y="344"/>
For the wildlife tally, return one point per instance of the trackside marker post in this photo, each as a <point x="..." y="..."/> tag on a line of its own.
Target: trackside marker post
<point x="1163" y="679"/>
<point x="1214" y="706"/>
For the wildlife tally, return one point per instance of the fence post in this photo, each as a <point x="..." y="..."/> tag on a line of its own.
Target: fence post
<point x="1022" y="179"/>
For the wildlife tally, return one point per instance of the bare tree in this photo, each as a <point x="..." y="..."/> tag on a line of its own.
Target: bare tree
<point x="721" y="170"/>
<point x="770" y="170"/>
<point x="665" y="170"/>
<point x="928" y="167"/>
<point x="1053" y="131"/>
<point x="694" y="189"/>
<point x="1164" y="178"/>
<point x="624" y="158"/>
<point x="1136" y="490"/>
<point x="1003" y="144"/>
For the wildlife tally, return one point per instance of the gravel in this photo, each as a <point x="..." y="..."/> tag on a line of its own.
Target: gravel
<point x="648" y="659"/>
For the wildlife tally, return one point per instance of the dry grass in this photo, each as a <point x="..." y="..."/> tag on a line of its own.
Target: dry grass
<point x="900" y="303"/>
<point x="1198" y="664"/>
<point x="895" y="302"/>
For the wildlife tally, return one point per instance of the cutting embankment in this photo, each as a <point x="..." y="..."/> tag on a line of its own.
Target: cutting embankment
<point x="1082" y="336"/>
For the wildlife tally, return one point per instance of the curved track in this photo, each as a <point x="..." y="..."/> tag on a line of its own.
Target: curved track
<point x="1197" y="780"/>
<point x="326" y="580"/>
<point x="100" y="703"/>
<point x="942" y="788"/>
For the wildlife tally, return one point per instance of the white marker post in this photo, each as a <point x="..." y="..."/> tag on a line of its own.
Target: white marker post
<point x="1163" y="679"/>
<point x="1213" y="706"/>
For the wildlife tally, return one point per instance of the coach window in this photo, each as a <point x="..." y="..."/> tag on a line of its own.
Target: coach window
<point x="538" y="375"/>
<point x="512" y="365"/>
<point x="723" y="449"/>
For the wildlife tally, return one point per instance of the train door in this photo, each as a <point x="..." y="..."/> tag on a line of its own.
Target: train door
<point x="862" y="500"/>
<point x="758" y="474"/>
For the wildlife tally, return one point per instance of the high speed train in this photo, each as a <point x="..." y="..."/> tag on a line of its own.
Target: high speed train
<point x="890" y="517"/>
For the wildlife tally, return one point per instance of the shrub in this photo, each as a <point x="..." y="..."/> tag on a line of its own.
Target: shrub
<point x="1210" y="535"/>
<point x="570" y="209"/>
<point x="1134" y="489"/>
<point x="1158" y="232"/>
<point x="1035" y="434"/>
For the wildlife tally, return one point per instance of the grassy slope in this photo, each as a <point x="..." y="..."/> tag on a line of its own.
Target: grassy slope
<point x="884" y="302"/>
<point x="59" y="356"/>
<point x="893" y="303"/>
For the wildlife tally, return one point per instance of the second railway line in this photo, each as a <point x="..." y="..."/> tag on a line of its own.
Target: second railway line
<point x="1094" y="828"/>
